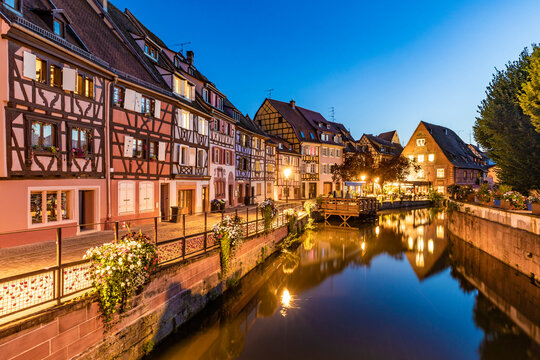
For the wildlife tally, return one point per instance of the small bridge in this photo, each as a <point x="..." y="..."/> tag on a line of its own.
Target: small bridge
<point x="347" y="208"/>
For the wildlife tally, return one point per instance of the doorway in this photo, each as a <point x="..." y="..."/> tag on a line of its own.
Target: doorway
<point x="246" y="198"/>
<point x="185" y="201"/>
<point x="86" y="210"/>
<point x="230" y="195"/>
<point x="312" y="190"/>
<point x="327" y="188"/>
<point x="164" y="202"/>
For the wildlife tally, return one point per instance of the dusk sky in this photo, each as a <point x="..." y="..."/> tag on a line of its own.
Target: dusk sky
<point x="382" y="65"/>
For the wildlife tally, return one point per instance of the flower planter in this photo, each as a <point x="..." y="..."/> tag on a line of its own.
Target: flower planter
<point x="486" y="203"/>
<point x="506" y="205"/>
<point x="535" y="208"/>
<point x="497" y="202"/>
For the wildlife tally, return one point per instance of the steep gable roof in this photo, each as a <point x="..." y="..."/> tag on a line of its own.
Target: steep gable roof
<point x="293" y="116"/>
<point x="454" y="148"/>
<point x="378" y="143"/>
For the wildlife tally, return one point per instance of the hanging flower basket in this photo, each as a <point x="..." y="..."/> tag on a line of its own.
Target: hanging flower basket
<point x="229" y="234"/>
<point x="269" y="212"/>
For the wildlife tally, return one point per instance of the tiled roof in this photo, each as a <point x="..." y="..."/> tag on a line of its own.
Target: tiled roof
<point x="379" y="142"/>
<point x="455" y="149"/>
<point x="286" y="147"/>
<point x="387" y="135"/>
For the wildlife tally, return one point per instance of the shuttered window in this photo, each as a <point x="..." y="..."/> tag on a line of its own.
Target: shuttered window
<point x="146" y="196"/>
<point x="126" y="197"/>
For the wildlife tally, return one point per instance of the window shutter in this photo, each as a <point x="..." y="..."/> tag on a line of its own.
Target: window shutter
<point x="129" y="99"/>
<point x="128" y="146"/>
<point x="138" y="102"/>
<point x="192" y="92"/>
<point x="205" y="154"/>
<point x="161" y="151"/>
<point x="121" y="197"/>
<point x="29" y="65"/>
<point x="69" y="79"/>
<point x="157" y="109"/>
<point x="150" y="195"/>
<point x="175" y="153"/>
<point x="142" y="196"/>
<point x="192" y="119"/>
<point x="192" y="156"/>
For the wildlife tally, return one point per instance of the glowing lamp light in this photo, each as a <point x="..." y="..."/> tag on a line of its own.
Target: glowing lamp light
<point x="287" y="172"/>
<point x="363" y="177"/>
<point x="363" y="245"/>
<point x="430" y="246"/>
<point x="286" y="298"/>
<point x="377" y="230"/>
<point x="377" y="180"/>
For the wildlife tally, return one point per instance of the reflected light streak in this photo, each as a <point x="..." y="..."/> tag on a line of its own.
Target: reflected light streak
<point x="420" y="244"/>
<point x="377" y="230"/>
<point x="430" y="246"/>
<point x="411" y="243"/>
<point x="420" y="260"/>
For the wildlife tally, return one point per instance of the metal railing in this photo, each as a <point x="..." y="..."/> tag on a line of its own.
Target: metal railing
<point x="58" y="283"/>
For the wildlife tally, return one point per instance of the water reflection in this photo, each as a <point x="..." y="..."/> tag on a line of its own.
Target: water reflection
<point x="402" y="288"/>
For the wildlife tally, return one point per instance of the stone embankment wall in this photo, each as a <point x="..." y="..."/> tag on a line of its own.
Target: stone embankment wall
<point x="404" y="204"/>
<point x="517" y="248"/>
<point x="176" y="293"/>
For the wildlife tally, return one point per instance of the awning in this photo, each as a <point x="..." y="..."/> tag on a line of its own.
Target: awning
<point x="352" y="183"/>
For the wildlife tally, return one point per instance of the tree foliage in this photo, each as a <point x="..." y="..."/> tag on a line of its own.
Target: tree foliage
<point x="505" y="132"/>
<point x="357" y="164"/>
<point x="529" y="99"/>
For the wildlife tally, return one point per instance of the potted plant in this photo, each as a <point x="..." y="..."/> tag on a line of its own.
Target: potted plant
<point x="484" y="195"/>
<point x="534" y="200"/>
<point x="268" y="212"/>
<point x="513" y="200"/>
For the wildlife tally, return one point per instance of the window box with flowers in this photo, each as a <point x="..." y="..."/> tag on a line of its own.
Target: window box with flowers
<point x="534" y="201"/>
<point x="513" y="200"/>
<point x="81" y="142"/>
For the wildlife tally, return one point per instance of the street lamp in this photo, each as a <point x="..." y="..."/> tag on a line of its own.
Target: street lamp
<point x="287" y="173"/>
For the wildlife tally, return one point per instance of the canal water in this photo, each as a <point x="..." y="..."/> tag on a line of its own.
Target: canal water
<point x="401" y="288"/>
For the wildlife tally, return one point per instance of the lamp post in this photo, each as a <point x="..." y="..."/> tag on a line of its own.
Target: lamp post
<point x="363" y="178"/>
<point x="287" y="173"/>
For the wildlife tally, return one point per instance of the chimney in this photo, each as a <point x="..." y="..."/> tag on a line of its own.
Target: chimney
<point x="293" y="103"/>
<point x="189" y="57"/>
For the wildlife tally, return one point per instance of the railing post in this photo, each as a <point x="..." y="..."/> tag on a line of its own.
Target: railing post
<point x="116" y="231"/>
<point x="155" y="230"/>
<point x="205" y="230"/>
<point x="256" y="219"/>
<point x="247" y="220"/>
<point x="184" y="231"/>
<point x="60" y="277"/>
<point x="235" y="212"/>
<point x="222" y="214"/>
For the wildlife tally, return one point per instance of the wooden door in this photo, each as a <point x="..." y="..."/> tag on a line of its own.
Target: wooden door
<point x="164" y="201"/>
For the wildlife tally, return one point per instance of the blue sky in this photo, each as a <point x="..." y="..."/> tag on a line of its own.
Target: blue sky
<point x="382" y="65"/>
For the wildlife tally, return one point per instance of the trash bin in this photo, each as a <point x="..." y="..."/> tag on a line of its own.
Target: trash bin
<point x="174" y="214"/>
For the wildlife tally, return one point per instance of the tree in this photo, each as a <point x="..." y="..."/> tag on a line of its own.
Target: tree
<point x="505" y="132"/>
<point x="396" y="168"/>
<point x="353" y="167"/>
<point x="529" y="99"/>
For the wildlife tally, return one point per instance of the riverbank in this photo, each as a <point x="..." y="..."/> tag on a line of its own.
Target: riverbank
<point x="508" y="236"/>
<point x="176" y="293"/>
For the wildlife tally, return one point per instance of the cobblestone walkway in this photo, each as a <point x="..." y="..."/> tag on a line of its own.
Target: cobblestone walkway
<point x="37" y="256"/>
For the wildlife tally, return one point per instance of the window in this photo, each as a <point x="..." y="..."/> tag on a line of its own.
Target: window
<point x="126" y="197"/>
<point x="184" y="121"/>
<point x="228" y="160"/>
<point x="139" y="148"/>
<point x="431" y="157"/>
<point x="118" y="96"/>
<point x="465" y="175"/>
<point x="440" y="189"/>
<point x="420" y="158"/>
<point x="205" y="95"/>
<point x="146" y="196"/>
<point x="58" y="27"/>
<point x="420" y="174"/>
<point x="257" y="166"/>
<point x="217" y="159"/>
<point x="41" y="71"/>
<point x="332" y="152"/>
<point x="43" y="135"/>
<point x="81" y="142"/>
<point x="49" y="206"/>
<point x="153" y="150"/>
<point x="147" y="106"/>
<point x="150" y="51"/>
<point x="302" y="134"/>
<point x="259" y="189"/>
<point x="411" y="157"/>
<point x="420" y="142"/>
<point x="203" y="126"/>
<point x="313" y="137"/>
<point x="324" y="151"/>
<point x="56" y="76"/>
<point x="89" y="87"/>
<point x="440" y="173"/>
<point x="177" y="85"/>
<point x="219" y="103"/>
<point x="183" y="158"/>
<point x="14" y="4"/>
<point x="200" y="158"/>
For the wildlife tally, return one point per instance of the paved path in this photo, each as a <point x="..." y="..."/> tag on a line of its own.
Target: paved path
<point x="26" y="258"/>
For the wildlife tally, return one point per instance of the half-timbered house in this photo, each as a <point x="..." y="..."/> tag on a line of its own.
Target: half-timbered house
<point x="288" y="174"/>
<point x="382" y="147"/>
<point x="185" y="182"/>
<point x="54" y="120"/>
<point x="307" y="132"/>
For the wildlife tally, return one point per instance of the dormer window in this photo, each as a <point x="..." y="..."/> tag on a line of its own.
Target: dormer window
<point x="302" y="134"/>
<point x="328" y="126"/>
<point x="150" y="50"/>
<point x="312" y="137"/>
<point x="58" y="28"/>
<point x="320" y="124"/>
<point x="219" y="103"/>
<point x="280" y="145"/>
<point x="14" y="4"/>
<point x="205" y="95"/>
<point x="191" y="71"/>
<point x="177" y="62"/>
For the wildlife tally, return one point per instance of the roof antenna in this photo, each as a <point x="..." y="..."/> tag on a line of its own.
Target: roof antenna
<point x="270" y="93"/>
<point x="333" y="113"/>
<point x="182" y="46"/>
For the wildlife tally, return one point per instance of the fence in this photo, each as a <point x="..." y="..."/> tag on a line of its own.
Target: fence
<point x="19" y="294"/>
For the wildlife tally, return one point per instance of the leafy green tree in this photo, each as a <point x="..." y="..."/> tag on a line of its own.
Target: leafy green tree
<point x="529" y="99"/>
<point x="395" y="169"/>
<point x="505" y="132"/>
<point x="353" y="167"/>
